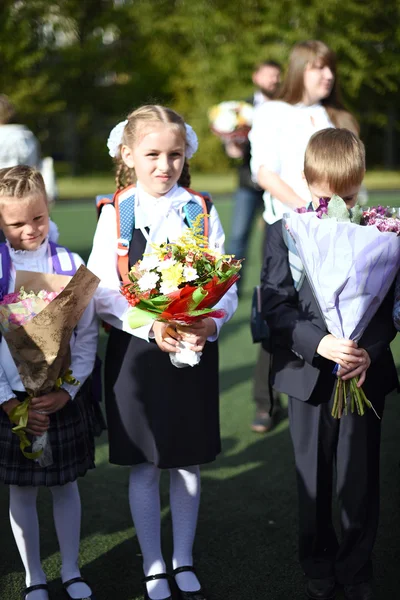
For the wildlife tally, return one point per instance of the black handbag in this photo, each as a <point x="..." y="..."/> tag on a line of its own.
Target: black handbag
<point x="258" y="325"/>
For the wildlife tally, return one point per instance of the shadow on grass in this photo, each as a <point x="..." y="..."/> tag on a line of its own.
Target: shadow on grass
<point x="246" y="540"/>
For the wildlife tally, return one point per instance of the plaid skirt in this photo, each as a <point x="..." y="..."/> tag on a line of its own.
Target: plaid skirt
<point x="72" y="445"/>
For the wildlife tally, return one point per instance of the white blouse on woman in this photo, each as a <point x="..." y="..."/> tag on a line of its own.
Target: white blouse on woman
<point x="279" y="137"/>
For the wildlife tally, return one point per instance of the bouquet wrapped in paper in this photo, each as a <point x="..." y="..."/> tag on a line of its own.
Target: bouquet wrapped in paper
<point x="350" y="259"/>
<point x="37" y="322"/>
<point x="180" y="282"/>
<point x="231" y="121"/>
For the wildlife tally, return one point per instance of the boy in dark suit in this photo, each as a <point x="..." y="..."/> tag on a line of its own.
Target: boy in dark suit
<point x="304" y="356"/>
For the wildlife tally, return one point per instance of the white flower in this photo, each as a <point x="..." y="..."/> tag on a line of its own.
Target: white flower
<point x="115" y="138"/>
<point x="225" y="122"/>
<point x="189" y="273"/>
<point x="192" y="143"/>
<point x="166" y="264"/>
<point x="167" y="288"/>
<point x="149" y="262"/>
<point x="148" y="281"/>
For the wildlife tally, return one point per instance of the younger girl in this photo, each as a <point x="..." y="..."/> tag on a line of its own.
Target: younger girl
<point x="24" y="219"/>
<point x="159" y="417"/>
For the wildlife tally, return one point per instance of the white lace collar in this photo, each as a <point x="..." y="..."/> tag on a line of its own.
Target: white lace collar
<point x="22" y="256"/>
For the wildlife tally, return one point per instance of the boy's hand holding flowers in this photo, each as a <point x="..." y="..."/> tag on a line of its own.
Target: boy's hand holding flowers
<point x="197" y="333"/>
<point x="341" y="351"/>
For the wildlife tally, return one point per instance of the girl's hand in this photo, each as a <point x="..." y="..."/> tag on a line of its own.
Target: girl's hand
<point x="360" y="370"/>
<point x="345" y="353"/>
<point x="50" y="403"/>
<point x="166" y="336"/>
<point x="37" y="424"/>
<point x="197" y="334"/>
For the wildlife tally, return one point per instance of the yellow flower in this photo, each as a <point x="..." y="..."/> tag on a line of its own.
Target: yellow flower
<point x="171" y="278"/>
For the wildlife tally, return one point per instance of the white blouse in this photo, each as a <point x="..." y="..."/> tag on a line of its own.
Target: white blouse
<point x="83" y="342"/>
<point x="279" y="137"/>
<point x="165" y="217"/>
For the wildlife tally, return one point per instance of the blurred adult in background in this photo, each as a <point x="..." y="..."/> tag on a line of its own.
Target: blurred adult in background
<point x="249" y="195"/>
<point x="19" y="146"/>
<point x="309" y="100"/>
<point x="248" y="203"/>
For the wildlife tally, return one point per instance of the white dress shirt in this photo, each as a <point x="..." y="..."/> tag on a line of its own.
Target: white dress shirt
<point x="84" y="339"/>
<point x="279" y="137"/>
<point x="165" y="218"/>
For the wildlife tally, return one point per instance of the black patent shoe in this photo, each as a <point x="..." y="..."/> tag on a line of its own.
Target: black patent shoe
<point x="197" y="595"/>
<point x="321" y="589"/>
<point x="359" y="591"/>
<point x="32" y="588"/>
<point x="152" y="578"/>
<point x="66" y="585"/>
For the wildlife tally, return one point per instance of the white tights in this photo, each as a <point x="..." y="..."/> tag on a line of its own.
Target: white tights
<point x="25" y="527"/>
<point x="144" y="499"/>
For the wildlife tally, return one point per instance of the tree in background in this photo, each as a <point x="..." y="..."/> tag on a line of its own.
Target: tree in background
<point x="76" y="67"/>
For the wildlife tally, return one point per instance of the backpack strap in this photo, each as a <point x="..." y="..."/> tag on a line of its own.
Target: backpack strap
<point x="193" y="209"/>
<point x="5" y="269"/>
<point x="63" y="260"/>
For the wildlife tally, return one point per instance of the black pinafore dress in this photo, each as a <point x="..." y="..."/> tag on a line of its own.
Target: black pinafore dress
<point x="156" y="412"/>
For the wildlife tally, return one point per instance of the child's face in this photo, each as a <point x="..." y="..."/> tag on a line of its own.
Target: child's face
<point x="323" y="190"/>
<point x="158" y="157"/>
<point x="25" y="222"/>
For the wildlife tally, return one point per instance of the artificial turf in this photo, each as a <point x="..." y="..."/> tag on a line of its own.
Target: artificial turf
<point x="246" y="540"/>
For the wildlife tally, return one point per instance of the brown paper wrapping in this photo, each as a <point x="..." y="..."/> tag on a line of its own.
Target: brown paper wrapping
<point x="40" y="348"/>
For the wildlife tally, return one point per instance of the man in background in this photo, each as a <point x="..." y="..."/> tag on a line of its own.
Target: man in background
<point x="248" y="204"/>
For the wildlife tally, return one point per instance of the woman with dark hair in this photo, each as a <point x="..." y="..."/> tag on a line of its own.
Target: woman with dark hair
<point x="309" y="101"/>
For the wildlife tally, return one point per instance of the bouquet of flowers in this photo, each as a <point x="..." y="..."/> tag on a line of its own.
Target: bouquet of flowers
<point x="231" y="121"/>
<point x="180" y="282"/>
<point x="37" y="326"/>
<point x="350" y="269"/>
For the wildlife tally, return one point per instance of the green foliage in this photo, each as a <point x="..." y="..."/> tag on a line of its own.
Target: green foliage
<point x="75" y="68"/>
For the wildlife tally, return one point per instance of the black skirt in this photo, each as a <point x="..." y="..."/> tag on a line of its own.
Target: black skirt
<point x="156" y="412"/>
<point x="72" y="444"/>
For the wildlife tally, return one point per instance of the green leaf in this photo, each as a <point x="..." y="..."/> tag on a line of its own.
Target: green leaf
<point x="138" y="317"/>
<point x="337" y="209"/>
<point x="356" y="214"/>
<point x="198" y="295"/>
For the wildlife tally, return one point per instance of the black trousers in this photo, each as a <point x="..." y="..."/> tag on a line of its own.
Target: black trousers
<point x="352" y="444"/>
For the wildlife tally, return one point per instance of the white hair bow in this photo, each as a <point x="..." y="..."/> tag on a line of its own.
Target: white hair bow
<point x="115" y="139"/>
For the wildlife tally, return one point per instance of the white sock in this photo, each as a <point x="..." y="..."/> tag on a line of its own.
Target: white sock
<point x="144" y="500"/>
<point x="67" y="520"/>
<point x="25" y="527"/>
<point x="185" y="501"/>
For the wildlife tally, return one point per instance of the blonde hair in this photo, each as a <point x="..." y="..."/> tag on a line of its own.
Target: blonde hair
<point x="7" y="110"/>
<point x="337" y="157"/>
<point x="137" y="119"/>
<point x="292" y="90"/>
<point x="21" y="181"/>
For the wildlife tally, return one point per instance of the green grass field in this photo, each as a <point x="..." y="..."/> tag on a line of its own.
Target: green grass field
<point x="246" y="542"/>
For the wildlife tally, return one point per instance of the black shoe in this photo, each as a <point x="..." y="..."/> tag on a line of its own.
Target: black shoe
<point x="359" y="591"/>
<point x="321" y="589"/>
<point x="32" y="588"/>
<point x="197" y="595"/>
<point x="152" y="578"/>
<point x="66" y="585"/>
